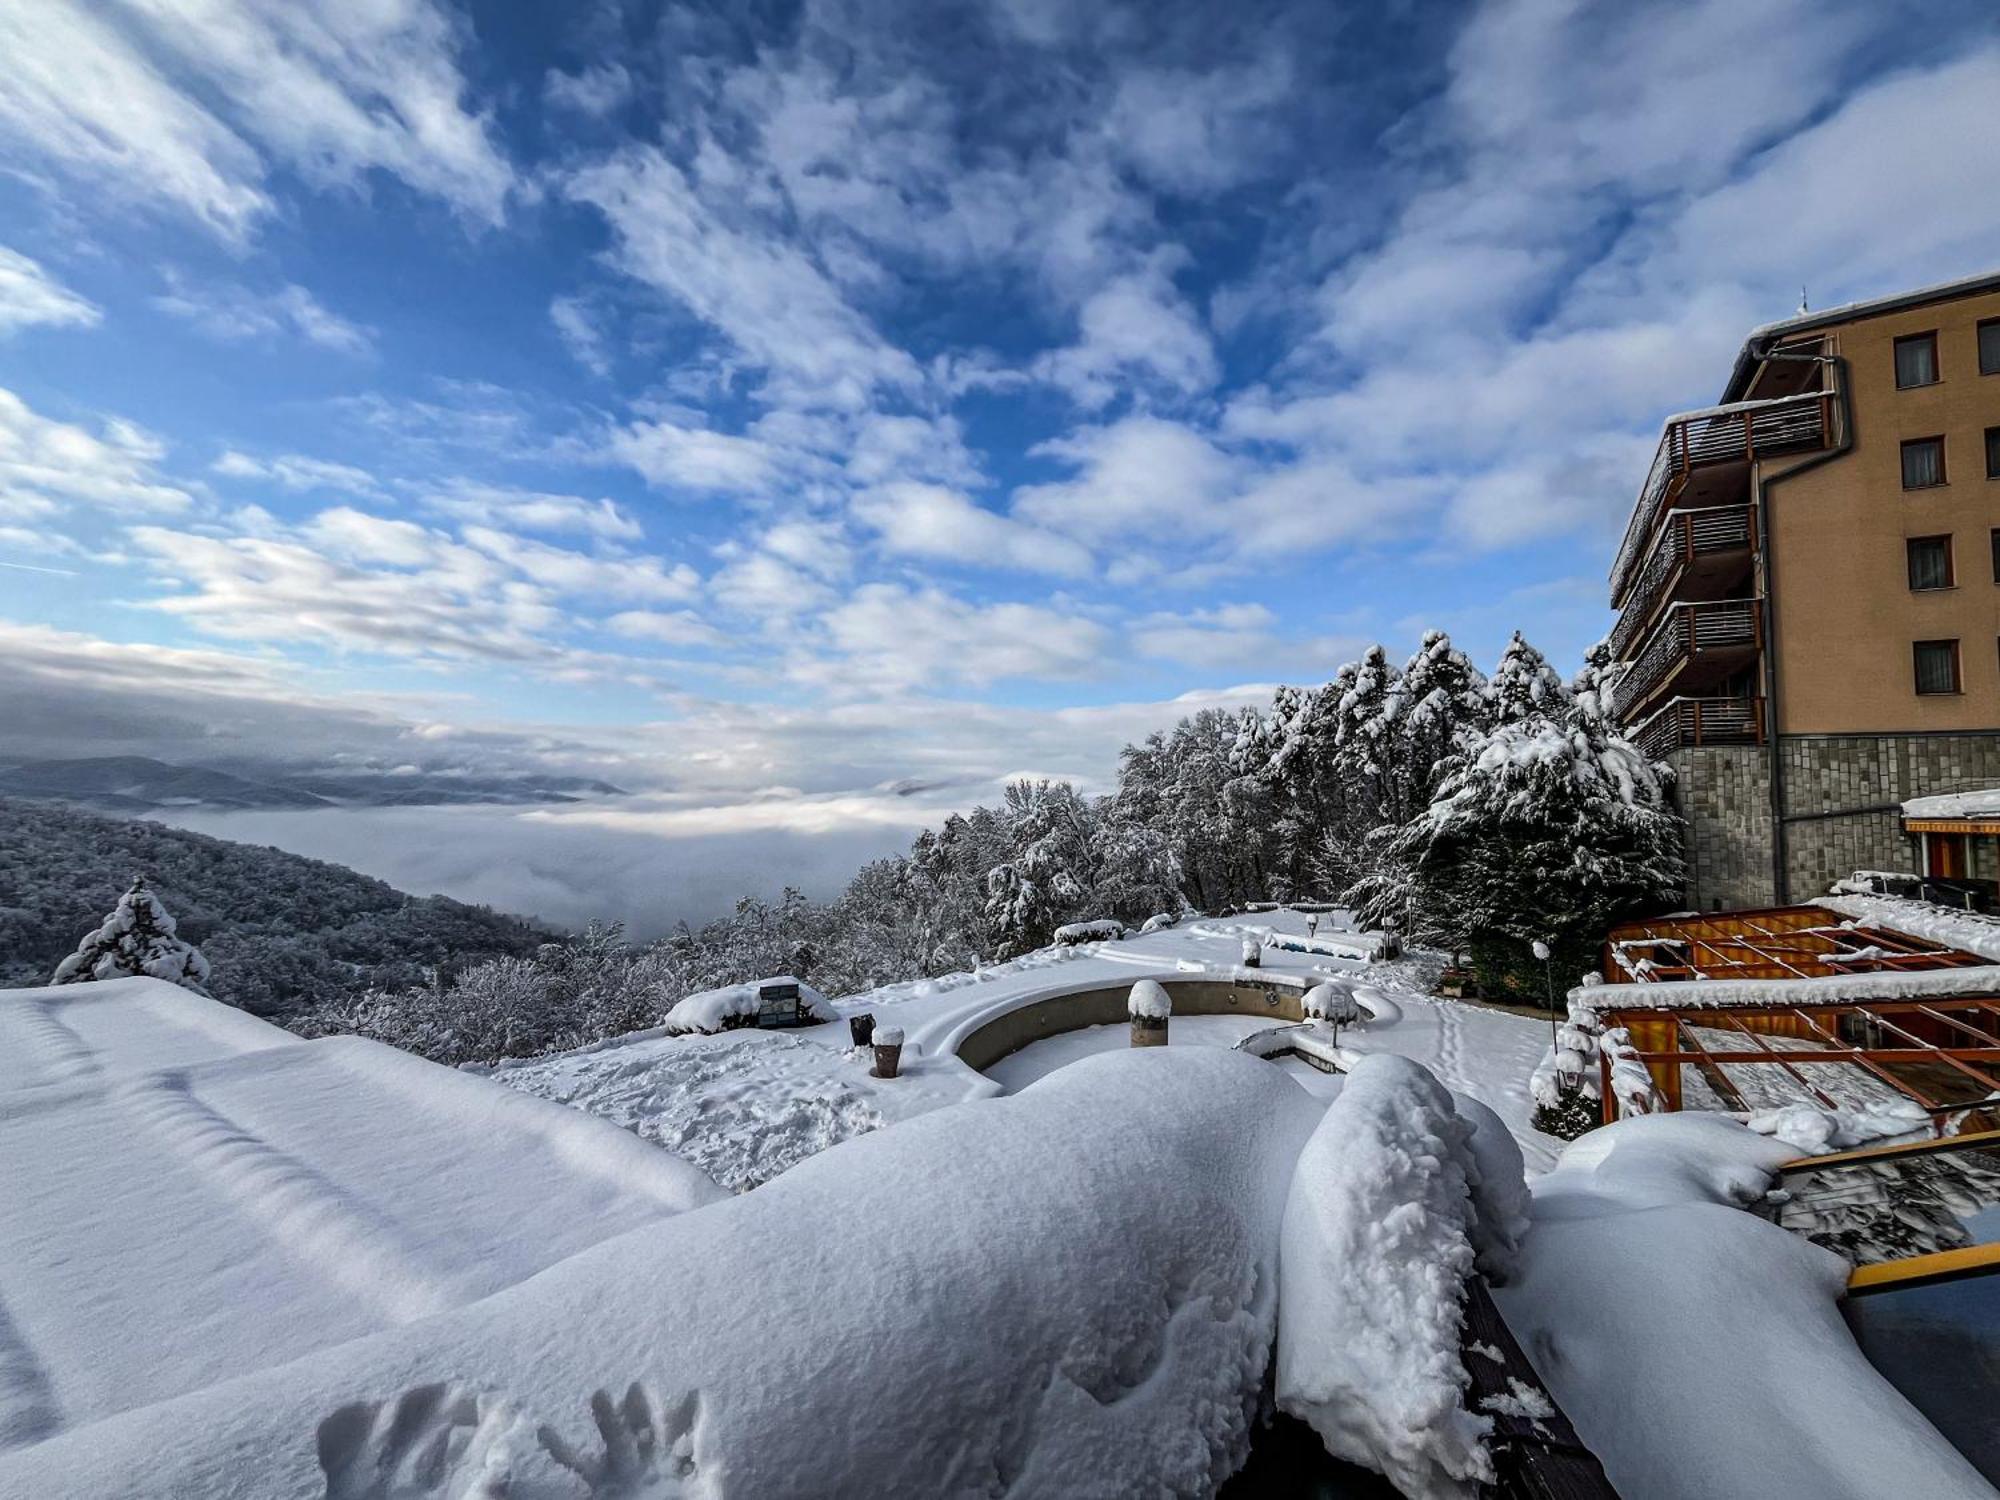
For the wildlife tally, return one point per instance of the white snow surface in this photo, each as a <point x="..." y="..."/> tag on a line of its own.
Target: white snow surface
<point x="193" y="1196"/>
<point x="966" y="1304"/>
<point x="1380" y="1235"/>
<point x="1699" y="1349"/>
<point x="1967" y="930"/>
<point x="712" y="1010"/>
<point x="1982" y="802"/>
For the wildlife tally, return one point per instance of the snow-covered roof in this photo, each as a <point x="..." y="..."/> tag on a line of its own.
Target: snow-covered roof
<point x="1982" y="802"/>
<point x="194" y="1196"/>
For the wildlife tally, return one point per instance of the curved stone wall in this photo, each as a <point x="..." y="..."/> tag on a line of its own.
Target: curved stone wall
<point x="1276" y="997"/>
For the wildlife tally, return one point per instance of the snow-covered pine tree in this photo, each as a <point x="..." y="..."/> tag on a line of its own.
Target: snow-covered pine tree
<point x="1524" y="684"/>
<point x="136" y="940"/>
<point x="1048" y="878"/>
<point x="1442" y="706"/>
<point x="1551" y="827"/>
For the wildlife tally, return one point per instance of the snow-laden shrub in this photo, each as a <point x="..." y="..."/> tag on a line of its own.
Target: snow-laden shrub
<point x="1075" y="934"/>
<point x="136" y="940"/>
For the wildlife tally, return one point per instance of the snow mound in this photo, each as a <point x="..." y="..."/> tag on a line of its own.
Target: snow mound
<point x="1331" y="1000"/>
<point x="1072" y="1291"/>
<point x="1150" y="1001"/>
<point x="1644" y="1288"/>
<point x="1380" y="1234"/>
<point x="1813" y="1132"/>
<point x="712" y="1010"/>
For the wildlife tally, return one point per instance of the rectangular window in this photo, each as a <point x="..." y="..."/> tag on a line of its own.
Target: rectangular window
<point x="1993" y="453"/>
<point x="1916" y="361"/>
<point x="1989" y="347"/>
<point x="1937" y="667"/>
<point x="1930" y="562"/>
<point x="1996" y="554"/>
<point x="1923" y="463"/>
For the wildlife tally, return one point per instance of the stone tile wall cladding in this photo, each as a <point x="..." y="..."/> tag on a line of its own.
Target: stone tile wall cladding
<point x="1724" y="793"/>
<point x="1829" y="773"/>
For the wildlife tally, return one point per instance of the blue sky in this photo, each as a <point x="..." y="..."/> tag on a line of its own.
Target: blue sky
<point x="767" y="407"/>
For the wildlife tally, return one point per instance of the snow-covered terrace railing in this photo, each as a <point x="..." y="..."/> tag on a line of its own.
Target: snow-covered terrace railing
<point x="1683" y="634"/>
<point x="1736" y="433"/>
<point x="1681" y="722"/>
<point x="1708" y="531"/>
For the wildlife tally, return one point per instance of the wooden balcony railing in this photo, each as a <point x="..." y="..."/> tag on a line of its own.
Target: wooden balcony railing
<point x="1721" y="434"/>
<point x="1685" y="536"/>
<point x="1685" y="634"/>
<point x="1684" y="722"/>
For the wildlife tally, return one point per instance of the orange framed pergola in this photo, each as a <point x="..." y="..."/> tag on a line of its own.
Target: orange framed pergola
<point x="1778" y="942"/>
<point x="1943" y="1052"/>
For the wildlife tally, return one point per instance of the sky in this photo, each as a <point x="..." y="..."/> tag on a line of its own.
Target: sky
<point x="810" y="416"/>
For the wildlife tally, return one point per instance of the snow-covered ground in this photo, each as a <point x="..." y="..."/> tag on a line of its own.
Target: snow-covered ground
<point x="238" y="1266"/>
<point x="746" y="1105"/>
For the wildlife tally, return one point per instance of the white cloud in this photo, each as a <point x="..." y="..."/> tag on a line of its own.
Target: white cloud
<point x="30" y="297"/>
<point x="46" y="466"/>
<point x="694" y="458"/>
<point x="930" y="520"/>
<point x="1238" y="637"/>
<point x="296" y="471"/>
<point x="1135" y="332"/>
<point x="581" y="574"/>
<point x="593" y="91"/>
<point x="580" y="334"/>
<point x="1139" y="478"/>
<point x="184" y="104"/>
<point x="532" y="510"/>
<point x="236" y="314"/>
<point x="678" y="627"/>
<point x="890" y="635"/>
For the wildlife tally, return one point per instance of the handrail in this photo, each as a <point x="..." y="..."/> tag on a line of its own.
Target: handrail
<point x="1722" y="434"/>
<point x="1687" y="534"/>
<point x="1686" y="630"/>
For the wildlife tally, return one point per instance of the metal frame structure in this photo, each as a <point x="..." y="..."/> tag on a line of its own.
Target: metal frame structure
<point x="1976" y="1017"/>
<point x="1777" y="942"/>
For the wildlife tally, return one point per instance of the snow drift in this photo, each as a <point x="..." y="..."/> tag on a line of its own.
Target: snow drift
<point x="712" y="1010"/>
<point x="1070" y="1292"/>
<point x="1391" y="1209"/>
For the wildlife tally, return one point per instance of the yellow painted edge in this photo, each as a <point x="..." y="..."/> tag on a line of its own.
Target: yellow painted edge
<point x="1922" y="1267"/>
<point x="1929" y="1147"/>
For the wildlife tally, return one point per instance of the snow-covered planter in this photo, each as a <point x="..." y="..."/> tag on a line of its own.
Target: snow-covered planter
<point x="888" y="1051"/>
<point x="1253" y="953"/>
<point x="1149" y="1006"/>
<point x="1074" y="934"/>
<point x="741" y="1004"/>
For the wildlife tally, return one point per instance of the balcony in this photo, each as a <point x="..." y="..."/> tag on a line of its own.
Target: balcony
<point x="1696" y="554"/>
<point x="1687" y="722"/>
<point x="1705" y="456"/>
<point x="1693" y="647"/>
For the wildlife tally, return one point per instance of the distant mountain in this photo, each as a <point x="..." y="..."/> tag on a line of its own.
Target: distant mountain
<point x="286" y="935"/>
<point x="138" y="784"/>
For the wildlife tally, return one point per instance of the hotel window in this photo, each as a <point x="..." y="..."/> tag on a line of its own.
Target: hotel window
<point x="1930" y="562"/>
<point x="1916" y="361"/>
<point x="1937" y="667"/>
<point x="1989" y="347"/>
<point x="1923" y="463"/>
<point x="1993" y="453"/>
<point x="1996" y="554"/>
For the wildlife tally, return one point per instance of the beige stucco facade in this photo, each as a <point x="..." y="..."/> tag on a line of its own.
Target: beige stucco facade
<point x="1843" y="617"/>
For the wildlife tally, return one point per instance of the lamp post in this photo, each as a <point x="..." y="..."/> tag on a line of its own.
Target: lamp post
<point x="1541" y="951"/>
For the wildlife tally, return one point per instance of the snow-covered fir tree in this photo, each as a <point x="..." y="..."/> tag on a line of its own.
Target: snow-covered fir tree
<point x="1524" y="684"/>
<point x="136" y="941"/>
<point x="1550" y="828"/>
<point x="1045" y="883"/>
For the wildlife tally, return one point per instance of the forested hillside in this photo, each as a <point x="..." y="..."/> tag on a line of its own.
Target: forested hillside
<point x="285" y="935"/>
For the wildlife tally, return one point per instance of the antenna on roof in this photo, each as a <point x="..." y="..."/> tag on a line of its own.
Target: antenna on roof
<point x="1803" y="307"/>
